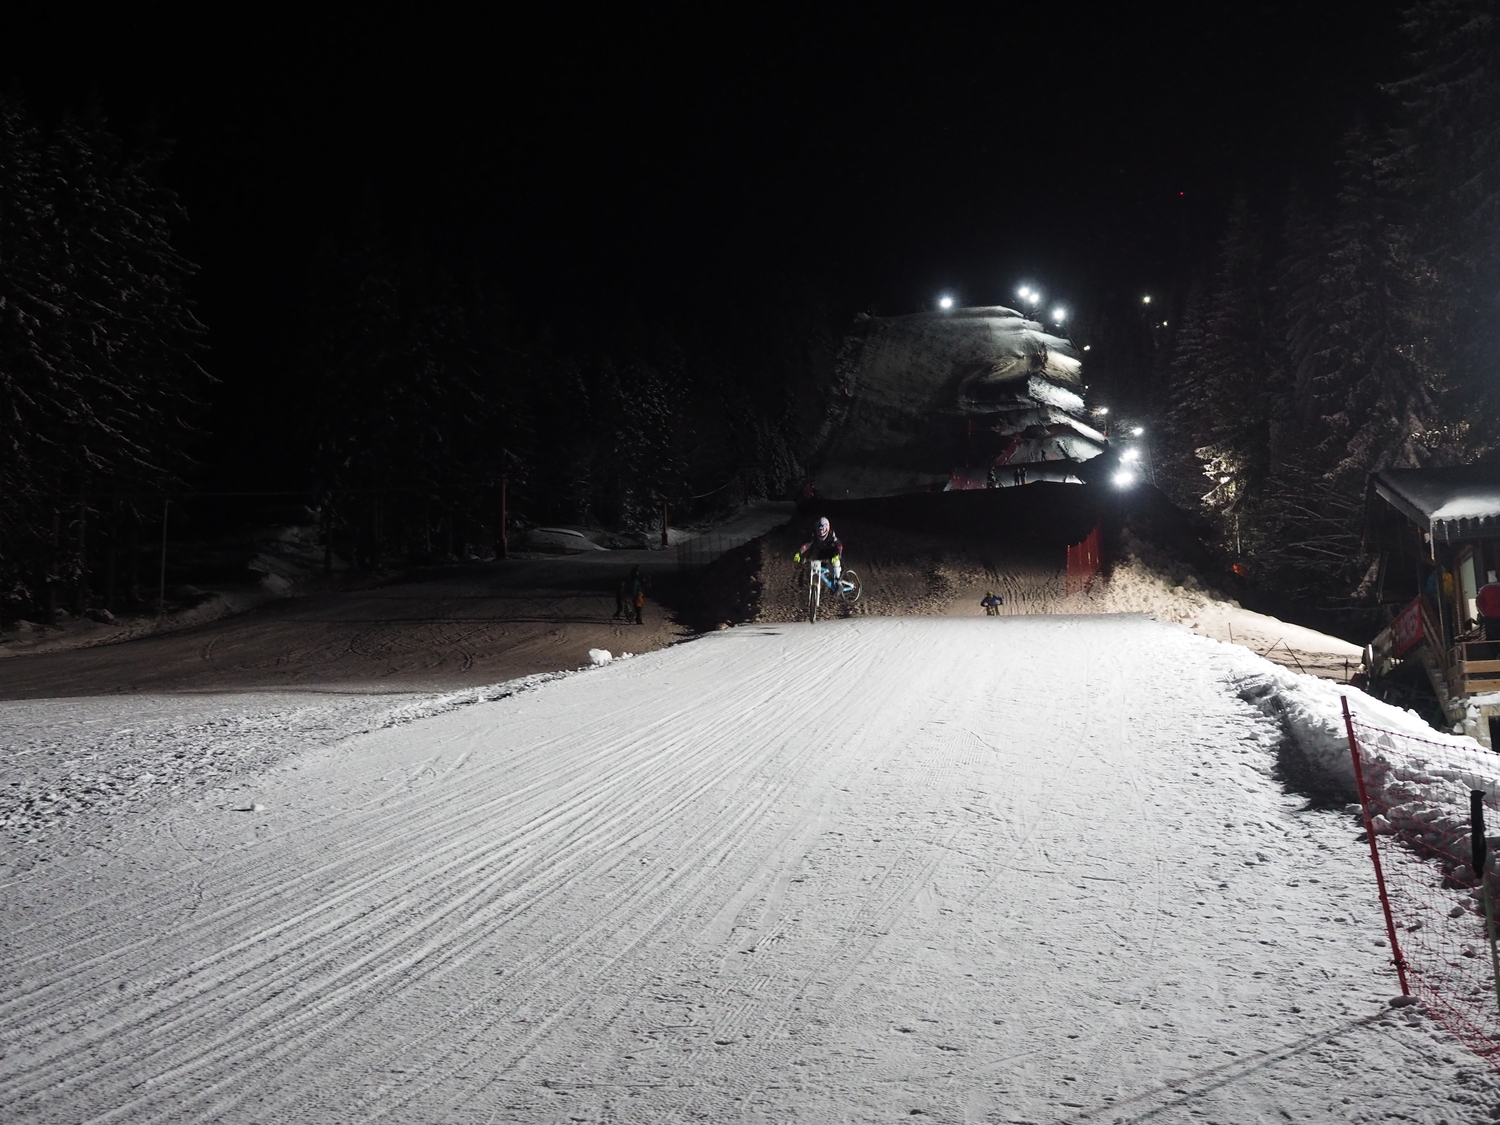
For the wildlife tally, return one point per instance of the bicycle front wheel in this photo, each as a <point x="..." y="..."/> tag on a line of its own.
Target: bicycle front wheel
<point x="849" y="588"/>
<point x="814" y="592"/>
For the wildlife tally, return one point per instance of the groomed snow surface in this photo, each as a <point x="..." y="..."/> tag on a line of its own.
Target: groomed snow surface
<point x="1016" y="870"/>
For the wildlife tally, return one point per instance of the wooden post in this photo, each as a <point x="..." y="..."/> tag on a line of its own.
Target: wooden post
<point x="114" y="555"/>
<point x="81" y="565"/>
<point x="161" y="584"/>
<point x="52" y="567"/>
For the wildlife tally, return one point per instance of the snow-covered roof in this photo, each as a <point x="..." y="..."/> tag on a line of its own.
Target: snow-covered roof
<point x="1460" y="502"/>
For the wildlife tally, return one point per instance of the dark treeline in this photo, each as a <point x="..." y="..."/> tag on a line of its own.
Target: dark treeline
<point x="1331" y="338"/>
<point x="99" y="346"/>
<point x="416" y="393"/>
<point x="428" y="390"/>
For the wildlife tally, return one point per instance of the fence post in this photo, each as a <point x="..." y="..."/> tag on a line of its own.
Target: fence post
<point x="161" y="586"/>
<point x="1364" y="804"/>
<point x="664" y="540"/>
<point x="1479" y="846"/>
<point x="504" y="519"/>
<point x="81" y="564"/>
<point x="328" y="534"/>
<point x="52" y="567"/>
<point x="114" y="556"/>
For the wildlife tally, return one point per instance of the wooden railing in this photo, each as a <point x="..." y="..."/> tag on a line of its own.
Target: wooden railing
<point x="1474" y="667"/>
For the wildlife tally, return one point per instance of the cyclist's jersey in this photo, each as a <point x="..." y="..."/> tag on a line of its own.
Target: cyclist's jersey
<point x="822" y="547"/>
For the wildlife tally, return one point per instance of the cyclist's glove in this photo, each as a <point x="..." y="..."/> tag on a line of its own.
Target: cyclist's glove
<point x="797" y="557"/>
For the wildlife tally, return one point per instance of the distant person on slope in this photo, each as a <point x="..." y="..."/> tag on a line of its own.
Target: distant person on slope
<point x="823" y="545"/>
<point x="1489" y="607"/>
<point x="992" y="603"/>
<point x="637" y="591"/>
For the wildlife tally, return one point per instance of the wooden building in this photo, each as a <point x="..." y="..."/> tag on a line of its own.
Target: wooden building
<point x="1437" y="533"/>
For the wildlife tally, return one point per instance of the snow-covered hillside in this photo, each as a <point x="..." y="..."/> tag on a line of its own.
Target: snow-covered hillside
<point x="1016" y="869"/>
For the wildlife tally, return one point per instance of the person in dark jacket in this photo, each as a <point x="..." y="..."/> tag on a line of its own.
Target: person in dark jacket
<point x="636" y="591"/>
<point x="824" y="544"/>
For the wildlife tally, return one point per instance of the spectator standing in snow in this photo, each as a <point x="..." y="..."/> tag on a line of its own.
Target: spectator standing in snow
<point x="1489" y="607"/>
<point x="637" y="592"/>
<point x="619" y="600"/>
<point x="992" y="603"/>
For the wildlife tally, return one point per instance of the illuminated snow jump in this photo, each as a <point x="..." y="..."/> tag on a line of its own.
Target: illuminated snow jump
<point x="970" y="398"/>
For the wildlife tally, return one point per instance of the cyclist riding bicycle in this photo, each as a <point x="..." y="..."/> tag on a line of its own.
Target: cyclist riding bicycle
<point x="823" y="545"/>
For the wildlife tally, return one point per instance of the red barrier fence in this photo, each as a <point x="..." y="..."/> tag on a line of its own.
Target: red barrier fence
<point x="1084" y="561"/>
<point x="1416" y="796"/>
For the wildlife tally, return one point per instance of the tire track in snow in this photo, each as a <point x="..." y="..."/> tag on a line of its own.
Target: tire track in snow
<point x="400" y="967"/>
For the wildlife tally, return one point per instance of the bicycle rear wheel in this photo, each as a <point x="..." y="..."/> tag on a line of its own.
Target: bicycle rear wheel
<point x="849" y="587"/>
<point x="814" y="591"/>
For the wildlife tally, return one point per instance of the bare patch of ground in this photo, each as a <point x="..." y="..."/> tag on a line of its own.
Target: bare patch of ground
<point x="476" y="625"/>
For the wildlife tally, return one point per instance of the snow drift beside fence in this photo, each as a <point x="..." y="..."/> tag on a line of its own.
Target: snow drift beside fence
<point x="1423" y="796"/>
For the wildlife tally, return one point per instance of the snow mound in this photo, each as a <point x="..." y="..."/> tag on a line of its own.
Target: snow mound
<point x="599" y="657"/>
<point x="1421" y="792"/>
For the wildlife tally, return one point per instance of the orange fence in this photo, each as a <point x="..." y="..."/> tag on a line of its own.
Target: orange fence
<point x="1084" y="561"/>
<point x="1424" y="803"/>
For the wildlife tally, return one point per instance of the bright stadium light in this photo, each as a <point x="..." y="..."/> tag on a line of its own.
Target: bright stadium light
<point x="945" y="302"/>
<point x="1138" y="431"/>
<point x="1059" y="315"/>
<point x="1131" y="455"/>
<point x="1124" y="479"/>
<point x="1145" y="300"/>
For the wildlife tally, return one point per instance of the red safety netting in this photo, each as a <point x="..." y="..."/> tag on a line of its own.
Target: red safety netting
<point x="1084" y="561"/>
<point x="1415" y="794"/>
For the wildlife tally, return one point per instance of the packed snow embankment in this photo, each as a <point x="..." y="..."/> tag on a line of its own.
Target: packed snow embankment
<point x="907" y="573"/>
<point x="1418" y="780"/>
<point x="62" y="764"/>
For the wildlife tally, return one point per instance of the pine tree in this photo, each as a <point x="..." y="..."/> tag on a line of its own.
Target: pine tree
<point x="99" y="345"/>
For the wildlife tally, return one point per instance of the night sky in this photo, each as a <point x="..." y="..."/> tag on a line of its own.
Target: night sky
<point x="676" y="163"/>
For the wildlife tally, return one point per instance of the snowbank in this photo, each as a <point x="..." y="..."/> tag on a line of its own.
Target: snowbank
<point x="1420" y="777"/>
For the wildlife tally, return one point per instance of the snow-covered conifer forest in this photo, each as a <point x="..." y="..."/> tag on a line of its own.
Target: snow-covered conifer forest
<point x="1330" y="336"/>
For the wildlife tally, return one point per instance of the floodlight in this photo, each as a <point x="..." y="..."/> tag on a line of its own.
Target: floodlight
<point x="1059" y="315"/>
<point x="1138" y="431"/>
<point x="945" y="302"/>
<point x="1130" y="455"/>
<point x="1085" y="347"/>
<point x="1145" y="300"/>
<point x="1124" y="479"/>
<point x="1103" y="410"/>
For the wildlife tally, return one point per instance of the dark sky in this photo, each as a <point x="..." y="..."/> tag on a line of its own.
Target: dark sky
<point x="680" y="161"/>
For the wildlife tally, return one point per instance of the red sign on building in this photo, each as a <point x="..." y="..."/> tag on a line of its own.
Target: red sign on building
<point x="1406" y="630"/>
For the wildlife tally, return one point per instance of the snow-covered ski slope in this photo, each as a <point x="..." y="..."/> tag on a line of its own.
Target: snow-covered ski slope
<point x="1012" y="870"/>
